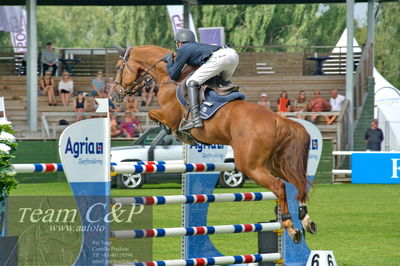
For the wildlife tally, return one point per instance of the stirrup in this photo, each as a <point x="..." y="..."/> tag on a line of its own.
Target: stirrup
<point x="190" y="124"/>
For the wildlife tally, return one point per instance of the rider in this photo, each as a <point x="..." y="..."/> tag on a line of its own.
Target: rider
<point x="212" y="60"/>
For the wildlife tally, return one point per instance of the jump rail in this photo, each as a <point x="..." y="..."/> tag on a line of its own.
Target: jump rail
<point x="173" y="168"/>
<point x="223" y="260"/>
<point x="57" y="167"/>
<point x="199" y="198"/>
<point x="195" y="230"/>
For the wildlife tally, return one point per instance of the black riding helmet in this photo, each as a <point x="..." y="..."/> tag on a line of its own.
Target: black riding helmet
<point x="184" y="35"/>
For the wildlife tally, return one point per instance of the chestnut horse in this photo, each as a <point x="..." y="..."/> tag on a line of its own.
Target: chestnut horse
<point x="263" y="142"/>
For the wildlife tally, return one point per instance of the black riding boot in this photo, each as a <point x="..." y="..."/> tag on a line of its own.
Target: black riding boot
<point x="195" y="121"/>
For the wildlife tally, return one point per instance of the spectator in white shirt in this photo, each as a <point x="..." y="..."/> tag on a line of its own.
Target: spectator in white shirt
<point x="336" y="102"/>
<point x="65" y="88"/>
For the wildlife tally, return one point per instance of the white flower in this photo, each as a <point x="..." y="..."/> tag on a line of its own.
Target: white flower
<point x="4" y="122"/>
<point x="7" y="136"/>
<point x="4" y="148"/>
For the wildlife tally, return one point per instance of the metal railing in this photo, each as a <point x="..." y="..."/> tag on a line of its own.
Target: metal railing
<point x="361" y="79"/>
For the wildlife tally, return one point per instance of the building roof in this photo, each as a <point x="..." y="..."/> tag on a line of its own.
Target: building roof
<point x="170" y="2"/>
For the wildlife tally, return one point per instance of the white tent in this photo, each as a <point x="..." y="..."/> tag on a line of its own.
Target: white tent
<point x="387" y="107"/>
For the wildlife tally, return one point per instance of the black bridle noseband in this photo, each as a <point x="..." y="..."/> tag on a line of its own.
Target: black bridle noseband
<point x="132" y="88"/>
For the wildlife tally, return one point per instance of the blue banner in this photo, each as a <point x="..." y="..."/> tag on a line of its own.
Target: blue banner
<point x="375" y="168"/>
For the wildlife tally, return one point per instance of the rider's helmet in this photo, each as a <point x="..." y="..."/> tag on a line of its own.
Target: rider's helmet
<point x="184" y="35"/>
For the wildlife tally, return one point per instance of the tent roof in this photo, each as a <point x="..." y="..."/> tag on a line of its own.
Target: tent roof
<point x="170" y="2"/>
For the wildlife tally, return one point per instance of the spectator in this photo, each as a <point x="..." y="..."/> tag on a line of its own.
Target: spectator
<point x="80" y="105"/>
<point x="130" y="126"/>
<point x="148" y="91"/>
<point x="98" y="85"/>
<point x="115" y="132"/>
<point x="373" y="136"/>
<point x="317" y="104"/>
<point x="336" y="102"/>
<point x="109" y="85"/>
<point x="65" y="88"/>
<point x="283" y="103"/>
<point x="300" y="105"/>
<point x="49" y="59"/>
<point x="131" y="104"/>
<point x="264" y="100"/>
<point x="47" y="88"/>
<point x="112" y="107"/>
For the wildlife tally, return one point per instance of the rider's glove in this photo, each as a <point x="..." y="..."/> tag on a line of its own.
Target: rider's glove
<point x="167" y="58"/>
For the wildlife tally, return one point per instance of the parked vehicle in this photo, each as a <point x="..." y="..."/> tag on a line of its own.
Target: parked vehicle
<point x="156" y="145"/>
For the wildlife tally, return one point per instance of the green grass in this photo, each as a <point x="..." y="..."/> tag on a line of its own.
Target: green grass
<point x="358" y="222"/>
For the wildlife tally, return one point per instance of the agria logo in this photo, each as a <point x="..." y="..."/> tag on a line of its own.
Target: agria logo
<point x="83" y="147"/>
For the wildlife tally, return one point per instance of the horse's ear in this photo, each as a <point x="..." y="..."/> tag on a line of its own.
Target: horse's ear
<point x="120" y="50"/>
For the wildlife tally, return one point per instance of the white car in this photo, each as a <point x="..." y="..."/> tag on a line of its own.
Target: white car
<point x="156" y="145"/>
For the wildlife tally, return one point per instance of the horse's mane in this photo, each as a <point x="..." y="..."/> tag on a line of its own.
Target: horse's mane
<point x="153" y="49"/>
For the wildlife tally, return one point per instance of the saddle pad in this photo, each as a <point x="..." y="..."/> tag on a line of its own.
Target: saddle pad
<point x="212" y="103"/>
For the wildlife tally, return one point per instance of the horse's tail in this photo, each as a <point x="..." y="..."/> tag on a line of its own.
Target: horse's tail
<point x="290" y="155"/>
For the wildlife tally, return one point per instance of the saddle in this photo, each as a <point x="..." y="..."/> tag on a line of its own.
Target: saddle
<point x="213" y="94"/>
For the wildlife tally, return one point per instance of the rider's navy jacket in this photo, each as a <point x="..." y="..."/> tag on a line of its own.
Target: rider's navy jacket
<point x="190" y="53"/>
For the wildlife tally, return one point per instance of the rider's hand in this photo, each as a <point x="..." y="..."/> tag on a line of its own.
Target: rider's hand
<point x="167" y="58"/>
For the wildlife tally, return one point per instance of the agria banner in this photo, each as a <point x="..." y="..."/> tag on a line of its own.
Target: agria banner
<point x="375" y="168"/>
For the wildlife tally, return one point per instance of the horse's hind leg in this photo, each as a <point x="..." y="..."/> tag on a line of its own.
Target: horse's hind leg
<point x="308" y="225"/>
<point x="265" y="179"/>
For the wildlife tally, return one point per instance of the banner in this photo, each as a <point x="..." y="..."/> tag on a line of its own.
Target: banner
<point x="19" y="39"/>
<point x="214" y="35"/>
<point x="176" y="17"/>
<point x="375" y="168"/>
<point x="13" y="19"/>
<point x="10" y="18"/>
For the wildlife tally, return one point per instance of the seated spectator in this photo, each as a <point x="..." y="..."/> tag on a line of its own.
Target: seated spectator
<point x="317" y="104"/>
<point x="283" y="103"/>
<point x="300" y="105"/>
<point x="115" y="132"/>
<point x="112" y="107"/>
<point x="65" y="88"/>
<point x="264" y="100"/>
<point x="47" y="88"/>
<point x="148" y="91"/>
<point x="336" y="102"/>
<point x="98" y="85"/>
<point x="49" y="59"/>
<point x="80" y="105"/>
<point x="130" y="126"/>
<point x="373" y="136"/>
<point x="109" y="86"/>
<point x="131" y="104"/>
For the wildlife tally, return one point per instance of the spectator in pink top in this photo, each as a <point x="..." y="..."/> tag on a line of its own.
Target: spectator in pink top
<point x="130" y="126"/>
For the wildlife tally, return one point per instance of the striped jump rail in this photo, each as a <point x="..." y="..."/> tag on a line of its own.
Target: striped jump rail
<point x="196" y="230"/>
<point x="223" y="260"/>
<point x="191" y="199"/>
<point x="57" y="167"/>
<point x="173" y="168"/>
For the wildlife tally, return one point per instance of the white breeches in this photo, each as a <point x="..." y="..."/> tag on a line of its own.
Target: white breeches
<point x="222" y="62"/>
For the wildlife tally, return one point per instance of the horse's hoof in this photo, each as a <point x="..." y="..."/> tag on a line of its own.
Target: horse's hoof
<point x="296" y="236"/>
<point x="312" y="228"/>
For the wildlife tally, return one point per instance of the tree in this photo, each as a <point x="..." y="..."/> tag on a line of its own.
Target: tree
<point x="387" y="36"/>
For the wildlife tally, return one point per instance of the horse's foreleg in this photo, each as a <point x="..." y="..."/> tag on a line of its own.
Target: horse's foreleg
<point x="157" y="116"/>
<point x="265" y="179"/>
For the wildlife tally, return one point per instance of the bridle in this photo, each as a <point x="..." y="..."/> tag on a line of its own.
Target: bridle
<point x="132" y="88"/>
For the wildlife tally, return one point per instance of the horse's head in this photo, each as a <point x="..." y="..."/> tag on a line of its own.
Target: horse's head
<point x="127" y="75"/>
<point x="133" y="65"/>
